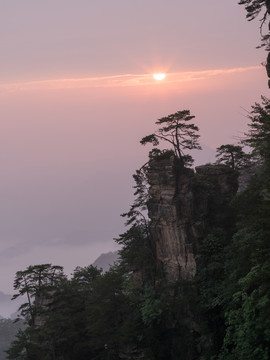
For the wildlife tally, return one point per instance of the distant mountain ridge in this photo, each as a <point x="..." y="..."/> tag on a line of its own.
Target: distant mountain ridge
<point x="7" y="307"/>
<point x="105" y="261"/>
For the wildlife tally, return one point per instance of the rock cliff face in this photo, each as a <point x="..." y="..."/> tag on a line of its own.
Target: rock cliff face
<point x="183" y="206"/>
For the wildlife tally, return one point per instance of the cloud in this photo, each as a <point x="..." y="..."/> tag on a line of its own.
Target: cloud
<point x="124" y="80"/>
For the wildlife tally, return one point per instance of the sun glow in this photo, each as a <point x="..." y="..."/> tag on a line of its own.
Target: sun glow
<point x="159" y="76"/>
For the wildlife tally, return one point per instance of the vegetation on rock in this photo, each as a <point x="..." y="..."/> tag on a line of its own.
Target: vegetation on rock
<point x="217" y="309"/>
<point x="176" y="131"/>
<point x="233" y="156"/>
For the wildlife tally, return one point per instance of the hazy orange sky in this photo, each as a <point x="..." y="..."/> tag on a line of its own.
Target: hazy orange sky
<point x="77" y="95"/>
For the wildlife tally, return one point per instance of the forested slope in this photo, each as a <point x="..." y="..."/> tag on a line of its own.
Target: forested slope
<point x="193" y="276"/>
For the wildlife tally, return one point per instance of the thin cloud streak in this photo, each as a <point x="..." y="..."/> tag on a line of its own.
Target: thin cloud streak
<point x="124" y="80"/>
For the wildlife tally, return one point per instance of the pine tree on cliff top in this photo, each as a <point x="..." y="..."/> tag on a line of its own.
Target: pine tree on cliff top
<point x="176" y="130"/>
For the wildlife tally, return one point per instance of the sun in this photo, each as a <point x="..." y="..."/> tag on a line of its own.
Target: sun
<point x="159" y="76"/>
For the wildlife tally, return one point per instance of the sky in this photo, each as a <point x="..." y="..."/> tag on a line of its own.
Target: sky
<point x="77" y="95"/>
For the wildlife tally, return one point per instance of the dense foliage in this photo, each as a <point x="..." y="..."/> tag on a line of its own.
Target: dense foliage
<point x="131" y="311"/>
<point x="223" y="313"/>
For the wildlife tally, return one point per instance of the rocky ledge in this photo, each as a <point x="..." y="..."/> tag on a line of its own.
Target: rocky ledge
<point x="183" y="205"/>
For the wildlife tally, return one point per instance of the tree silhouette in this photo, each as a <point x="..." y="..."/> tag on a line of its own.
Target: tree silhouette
<point x="233" y="156"/>
<point x="178" y="132"/>
<point x="258" y="136"/>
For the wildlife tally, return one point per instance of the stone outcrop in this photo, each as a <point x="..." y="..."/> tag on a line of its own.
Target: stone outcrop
<point x="42" y="304"/>
<point x="183" y="205"/>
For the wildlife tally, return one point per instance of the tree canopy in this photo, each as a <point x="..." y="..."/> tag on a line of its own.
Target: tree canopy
<point x="258" y="136"/>
<point x="34" y="282"/>
<point x="131" y="311"/>
<point x="233" y="156"/>
<point x="177" y="131"/>
<point x="254" y="7"/>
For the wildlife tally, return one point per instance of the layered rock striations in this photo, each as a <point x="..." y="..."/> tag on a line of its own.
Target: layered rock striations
<point x="183" y="206"/>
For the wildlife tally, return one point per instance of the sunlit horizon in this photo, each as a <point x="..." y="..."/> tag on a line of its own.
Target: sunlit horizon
<point x="122" y="80"/>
